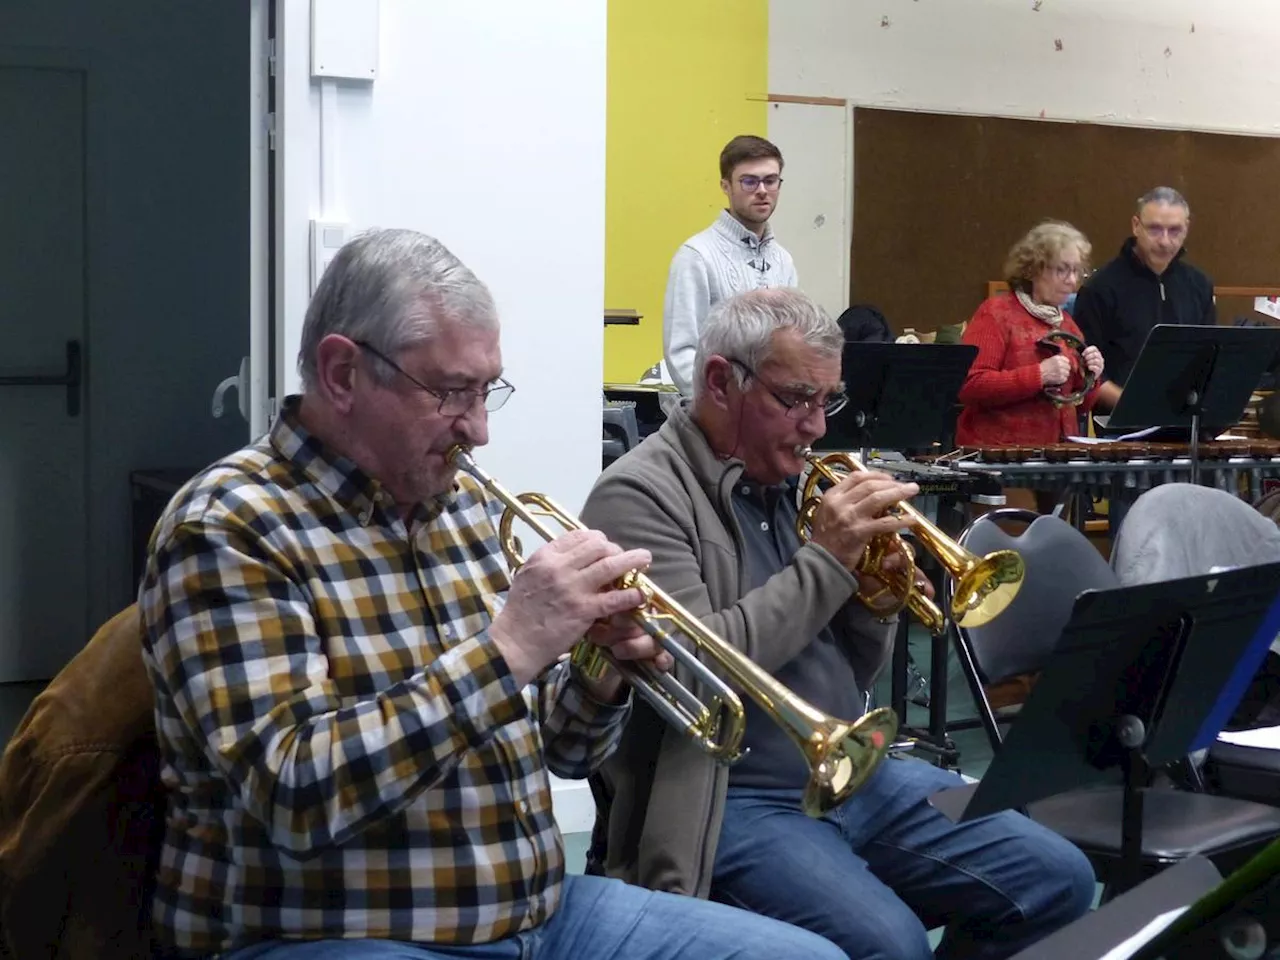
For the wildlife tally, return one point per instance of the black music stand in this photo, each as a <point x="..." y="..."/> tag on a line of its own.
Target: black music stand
<point x="1126" y="916"/>
<point x="1243" y="909"/>
<point x="1196" y="379"/>
<point x="1187" y="912"/>
<point x="1141" y="676"/>
<point x="902" y="396"/>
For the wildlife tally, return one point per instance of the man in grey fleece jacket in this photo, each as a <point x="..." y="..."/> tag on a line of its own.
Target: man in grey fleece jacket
<point x="711" y="496"/>
<point x="735" y="254"/>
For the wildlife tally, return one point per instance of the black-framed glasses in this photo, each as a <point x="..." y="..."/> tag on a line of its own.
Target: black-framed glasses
<point x="453" y="403"/>
<point x="797" y="407"/>
<point x="752" y="183"/>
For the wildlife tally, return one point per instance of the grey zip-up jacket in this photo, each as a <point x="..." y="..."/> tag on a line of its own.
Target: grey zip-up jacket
<point x="672" y="496"/>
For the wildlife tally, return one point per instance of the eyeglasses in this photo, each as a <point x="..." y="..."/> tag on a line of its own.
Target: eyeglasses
<point x="798" y="407"/>
<point x="751" y="184"/>
<point x="453" y="403"/>
<point x="1155" y="231"/>
<point x="1064" y="270"/>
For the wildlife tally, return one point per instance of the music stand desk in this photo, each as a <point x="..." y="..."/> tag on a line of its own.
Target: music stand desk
<point x="1187" y="912"/>
<point x="1196" y="379"/>
<point x="1101" y="930"/>
<point x="1141" y="676"/>
<point x="902" y="396"/>
<point x="1242" y="907"/>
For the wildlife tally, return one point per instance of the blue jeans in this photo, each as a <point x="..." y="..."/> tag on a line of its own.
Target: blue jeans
<point x="879" y="871"/>
<point x="597" y="918"/>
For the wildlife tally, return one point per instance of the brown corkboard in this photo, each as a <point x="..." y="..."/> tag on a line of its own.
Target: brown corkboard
<point x="939" y="199"/>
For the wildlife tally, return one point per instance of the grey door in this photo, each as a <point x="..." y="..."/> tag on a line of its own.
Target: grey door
<point x="44" y="550"/>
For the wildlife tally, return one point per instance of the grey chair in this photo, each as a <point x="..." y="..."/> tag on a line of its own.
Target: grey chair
<point x="621" y="430"/>
<point x="1060" y="563"/>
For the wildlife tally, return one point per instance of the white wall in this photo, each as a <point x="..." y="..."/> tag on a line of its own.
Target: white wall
<point x="485" y="127"/>
<point x="1134" y="62"/>
<point x="812" y="219"/>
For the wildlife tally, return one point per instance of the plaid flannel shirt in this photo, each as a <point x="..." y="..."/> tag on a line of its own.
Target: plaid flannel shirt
<point x="346" y="753"/>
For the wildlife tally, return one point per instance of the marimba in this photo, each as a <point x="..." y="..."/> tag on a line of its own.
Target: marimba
<point x="1122" y="470"/>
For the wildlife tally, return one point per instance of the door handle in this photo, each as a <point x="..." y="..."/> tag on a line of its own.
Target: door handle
<point x="71" y="379"/>
<point x="240" y="384"/>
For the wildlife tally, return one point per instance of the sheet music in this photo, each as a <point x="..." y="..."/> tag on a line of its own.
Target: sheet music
<point x="1144" y="936"/>
<point x="1136" y="435"/>
<point x="1268" y="738"/>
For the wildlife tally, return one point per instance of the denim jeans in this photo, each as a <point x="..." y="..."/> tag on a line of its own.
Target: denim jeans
<point x="598" y="918"/>
<point x="885" y="867"/>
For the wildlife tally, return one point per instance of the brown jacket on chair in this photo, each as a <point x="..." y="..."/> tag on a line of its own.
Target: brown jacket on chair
<point x="82" y="808"/>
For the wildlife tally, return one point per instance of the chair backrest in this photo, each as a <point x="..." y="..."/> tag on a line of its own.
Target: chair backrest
<point x="620" y="423"/>
<point x="82" y="808"/>
<point x="1060" y="564"/>
<point x="621" y="430"/>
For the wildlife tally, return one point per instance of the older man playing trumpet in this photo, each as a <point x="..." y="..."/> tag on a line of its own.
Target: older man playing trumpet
<point x="358" y="705"/>
<point x="711" y="497"/>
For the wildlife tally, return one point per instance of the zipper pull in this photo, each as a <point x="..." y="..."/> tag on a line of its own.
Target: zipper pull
<point x="1162" y="299"/>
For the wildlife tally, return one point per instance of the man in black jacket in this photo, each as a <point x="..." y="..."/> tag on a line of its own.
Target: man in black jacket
<point x="1150" y="282"/>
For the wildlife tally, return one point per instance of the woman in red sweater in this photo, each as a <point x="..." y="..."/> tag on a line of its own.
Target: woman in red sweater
<point x="1004" y="395"/>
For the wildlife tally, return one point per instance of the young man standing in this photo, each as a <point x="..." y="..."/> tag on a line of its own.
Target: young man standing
<point x="735" y="254"/>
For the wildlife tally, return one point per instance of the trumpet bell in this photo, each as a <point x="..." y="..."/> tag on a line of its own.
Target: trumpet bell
<point x="986" y="588"/>
<point x="843" y="756"/>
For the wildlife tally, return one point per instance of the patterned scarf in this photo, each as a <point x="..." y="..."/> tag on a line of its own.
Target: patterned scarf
<point x="1041" y="311"/>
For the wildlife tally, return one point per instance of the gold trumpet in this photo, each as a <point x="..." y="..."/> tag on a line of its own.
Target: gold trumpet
<point x="841" y="754"/>
<point x="984" y="586"/>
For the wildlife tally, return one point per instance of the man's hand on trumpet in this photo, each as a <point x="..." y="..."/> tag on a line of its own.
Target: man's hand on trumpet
<point x="565" y="591"/>
<point x="852" y="514"/>
<point x="897" y="562"/>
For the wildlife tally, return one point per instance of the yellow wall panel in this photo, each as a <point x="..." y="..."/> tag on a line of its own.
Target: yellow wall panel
<point x="680" y="76"/>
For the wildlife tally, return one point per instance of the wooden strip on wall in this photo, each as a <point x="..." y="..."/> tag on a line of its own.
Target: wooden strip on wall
<point x="792" y="98"/>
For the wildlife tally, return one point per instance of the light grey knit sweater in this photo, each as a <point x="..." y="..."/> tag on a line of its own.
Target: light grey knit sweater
<point x="723" y="260"/>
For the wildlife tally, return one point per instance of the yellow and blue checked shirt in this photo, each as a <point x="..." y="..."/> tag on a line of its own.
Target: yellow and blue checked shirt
<point x="346" y="752"/>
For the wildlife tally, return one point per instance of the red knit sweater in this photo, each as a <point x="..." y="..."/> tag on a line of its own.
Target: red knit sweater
<point x="1002" y="396"/>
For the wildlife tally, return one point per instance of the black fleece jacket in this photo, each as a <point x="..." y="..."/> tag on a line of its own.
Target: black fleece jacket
<point x="1125" y="299"/>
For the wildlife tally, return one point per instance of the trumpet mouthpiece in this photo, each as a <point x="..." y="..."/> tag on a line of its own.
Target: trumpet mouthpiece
<point x="458" y="454"/>
<point x="803" y="450"/>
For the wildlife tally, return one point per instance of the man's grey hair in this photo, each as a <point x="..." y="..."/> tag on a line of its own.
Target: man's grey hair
<point x="1166" y="195"/>
<point x="742" y="327"/>
<point x="391" y="289"/>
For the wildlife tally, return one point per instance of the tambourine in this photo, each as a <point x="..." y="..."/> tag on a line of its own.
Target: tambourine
<point x="1055" y="394"/>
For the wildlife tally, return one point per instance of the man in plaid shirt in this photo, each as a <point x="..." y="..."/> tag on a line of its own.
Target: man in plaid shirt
<point x="357" y="705"/>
